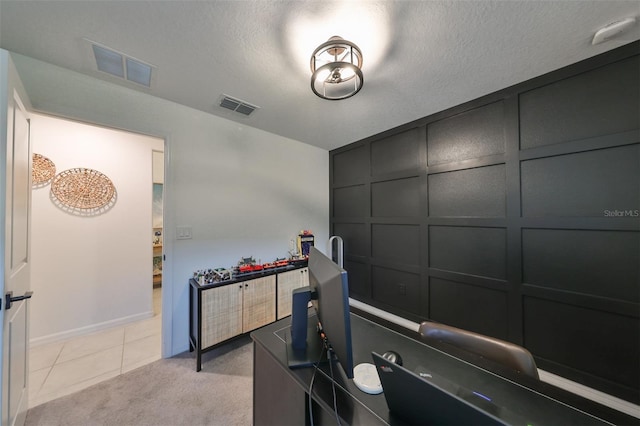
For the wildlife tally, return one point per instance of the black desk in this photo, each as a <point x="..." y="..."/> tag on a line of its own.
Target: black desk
<point x="280" y="394"/>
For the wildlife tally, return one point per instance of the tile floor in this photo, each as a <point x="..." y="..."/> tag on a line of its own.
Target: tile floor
<point x="61" y="368"/>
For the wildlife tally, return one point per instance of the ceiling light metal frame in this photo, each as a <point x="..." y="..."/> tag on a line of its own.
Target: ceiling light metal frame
<point x="336" y="68"/>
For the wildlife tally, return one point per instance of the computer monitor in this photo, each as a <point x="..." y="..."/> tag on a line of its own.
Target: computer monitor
<point x="328" y="292"/>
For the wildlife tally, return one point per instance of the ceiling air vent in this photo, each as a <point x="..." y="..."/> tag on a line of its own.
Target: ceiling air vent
<point x="237" y="105"/>
<point x="122" y="66"/>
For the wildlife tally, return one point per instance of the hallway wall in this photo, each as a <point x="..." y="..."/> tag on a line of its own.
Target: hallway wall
<point x="242" y="191"/>
<point x="91" y="272"/>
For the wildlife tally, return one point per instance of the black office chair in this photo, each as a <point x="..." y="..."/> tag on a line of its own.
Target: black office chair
<point x="503" y="353"/>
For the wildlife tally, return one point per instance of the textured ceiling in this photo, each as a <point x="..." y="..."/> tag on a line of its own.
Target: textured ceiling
<point x="420" y="57"/>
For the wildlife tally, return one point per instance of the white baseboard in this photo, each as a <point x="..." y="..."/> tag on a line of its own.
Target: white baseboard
<point x="76" y="332"/>
<point x="558" y="381"/>
<point x="413" y="326"/>
<point x="589" y="393"/>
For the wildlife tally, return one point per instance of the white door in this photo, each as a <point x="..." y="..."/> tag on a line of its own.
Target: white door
<point x="15" y="369"/>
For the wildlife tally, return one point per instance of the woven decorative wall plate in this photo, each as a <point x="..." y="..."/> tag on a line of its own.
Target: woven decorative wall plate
<point x="83" y="189"/>
<point x="42" y="170"/>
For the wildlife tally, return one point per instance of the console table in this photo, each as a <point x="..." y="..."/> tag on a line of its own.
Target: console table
<point x="224" y="310"/>
<point x="280" y="395"/>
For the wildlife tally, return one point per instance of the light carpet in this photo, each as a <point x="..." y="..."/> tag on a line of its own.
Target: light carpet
<point x="166" y="392"/>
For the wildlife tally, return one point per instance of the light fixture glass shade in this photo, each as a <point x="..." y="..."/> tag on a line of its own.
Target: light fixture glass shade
<point x="336" y="68"/>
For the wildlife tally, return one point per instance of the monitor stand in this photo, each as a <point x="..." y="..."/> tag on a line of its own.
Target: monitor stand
<point x="314" y="352"/>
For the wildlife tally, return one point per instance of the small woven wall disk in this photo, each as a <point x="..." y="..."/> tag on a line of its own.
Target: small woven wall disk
<point x="82" y="188"/>
<point x="42" y="170"/>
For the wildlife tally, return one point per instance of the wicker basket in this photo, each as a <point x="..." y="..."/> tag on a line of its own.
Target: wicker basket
<point x="42" y="171"/>
<point x="83" y="189"/>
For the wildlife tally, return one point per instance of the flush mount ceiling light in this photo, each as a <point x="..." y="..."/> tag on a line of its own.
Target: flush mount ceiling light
<point x="337" y="69"/>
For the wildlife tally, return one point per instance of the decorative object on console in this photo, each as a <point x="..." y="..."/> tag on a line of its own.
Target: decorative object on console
<point x="336" y="66"/>
<point x="305" y="242"/>
<point x="42" y="170"/>
<point x="209" y="276"/>
<point x="248" y="264"/>
<point x="275" y="264"/>
<point x="245" y="268"/>
<point x="83" y="190"/>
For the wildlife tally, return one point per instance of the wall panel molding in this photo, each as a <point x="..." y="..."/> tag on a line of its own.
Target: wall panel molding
<point x="509" y="213"/>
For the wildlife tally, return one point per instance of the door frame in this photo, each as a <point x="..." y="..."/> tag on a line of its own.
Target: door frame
<point x="10" y="88"/>
<point x="19" y="274"/>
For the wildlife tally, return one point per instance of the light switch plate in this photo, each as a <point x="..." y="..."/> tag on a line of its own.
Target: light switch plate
<point x="183" y="233"/>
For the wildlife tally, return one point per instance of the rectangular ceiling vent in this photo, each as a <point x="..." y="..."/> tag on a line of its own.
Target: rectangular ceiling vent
<point x="122" y="66"/>
<point x="237" y="105"/>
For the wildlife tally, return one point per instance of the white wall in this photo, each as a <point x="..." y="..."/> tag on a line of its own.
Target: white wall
<point x="158" y="167"/>
<point x="91" y="272"/>
<point x="243" y="191"/>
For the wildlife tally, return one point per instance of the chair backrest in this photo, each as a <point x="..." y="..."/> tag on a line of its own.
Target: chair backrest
<point x="498" y="351"/>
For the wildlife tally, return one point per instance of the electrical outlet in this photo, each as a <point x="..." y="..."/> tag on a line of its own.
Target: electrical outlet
<point x="402" y="289"/>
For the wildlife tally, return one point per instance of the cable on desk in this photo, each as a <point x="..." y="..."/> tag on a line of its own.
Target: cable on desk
<point x="325" y="346"/>
<point x="313" y="378"/>
<point x="333" y="386"/>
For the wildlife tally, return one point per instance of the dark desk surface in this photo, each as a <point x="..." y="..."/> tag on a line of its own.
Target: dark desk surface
<point x="356" y="406"/>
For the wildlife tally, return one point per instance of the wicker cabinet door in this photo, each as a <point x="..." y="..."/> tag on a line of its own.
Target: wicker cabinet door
<point x="221" y="314"/>
<point x="259" y="303"/>
<point x="287" y="282"/>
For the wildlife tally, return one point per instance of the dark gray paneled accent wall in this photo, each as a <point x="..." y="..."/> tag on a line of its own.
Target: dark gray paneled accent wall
<point x="461" y="307"/>
<point x="397" y="288"/>
<point x="476" y="133"/>
<point x="601" y="343"/>
<point x="581" y="184"/>
<point x="556" y="112"/>
<point x="396" y="198"/>
<point x="478" y="192"/>
<point x="350" y="201"/>
<point x="398" y="153"/>
<point x="577" y="260"/>
<point x="469" y="250"/>
<point x="516" y="215"/>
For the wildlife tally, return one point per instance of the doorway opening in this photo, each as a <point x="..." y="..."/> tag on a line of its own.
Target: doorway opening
<point x="158" y="228"/>
<point x="113" y="323"/>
